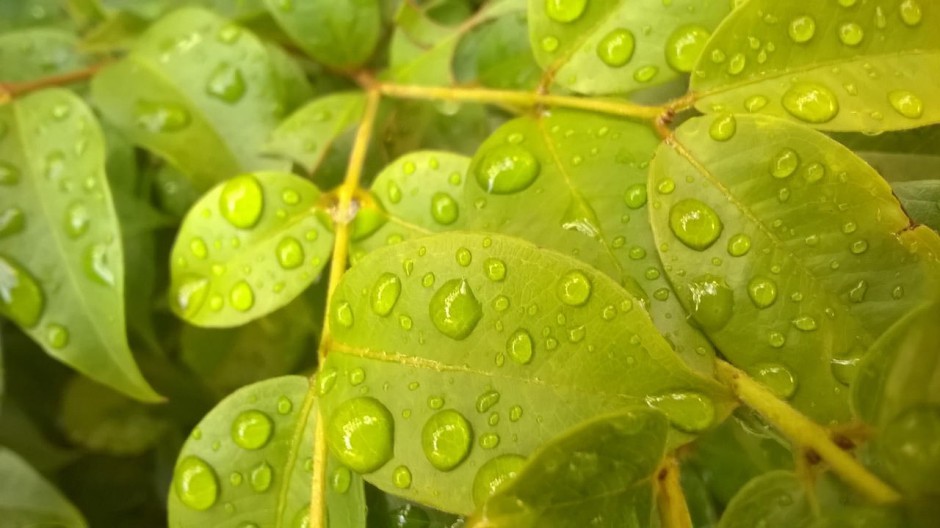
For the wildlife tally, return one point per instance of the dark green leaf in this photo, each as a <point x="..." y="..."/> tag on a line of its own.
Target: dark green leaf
<point x="27" y="500"/>
<point x="497" y="54"/>
<point x="34" y="13"/>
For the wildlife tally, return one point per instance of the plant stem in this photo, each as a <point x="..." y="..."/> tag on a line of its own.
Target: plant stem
<point x="673" y="509"/>
<point x="11" y="90"/>
<point x="804" y="433"/>
<point x="521" y="98"/>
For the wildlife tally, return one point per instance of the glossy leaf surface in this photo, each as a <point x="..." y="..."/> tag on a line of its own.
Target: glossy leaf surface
<point x="342" y="35"/>
<point x="864" y="66"/>
<point x="779" y="242"/>
<point x="600" y="473"/>
<point x="247" y="248"/>
<point x="198" y="91"/>
<point x="249" y="460"/>
<point x="29" y="54"/>
<point x="27" y="499"/>
<point x="496" y="345"/>
<point x="61" y="266"/>
<point x="614" y="46"/>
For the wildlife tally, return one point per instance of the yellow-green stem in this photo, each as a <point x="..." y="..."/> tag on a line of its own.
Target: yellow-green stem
<point x="673" y="509"/>
<point x="805" y="434"/>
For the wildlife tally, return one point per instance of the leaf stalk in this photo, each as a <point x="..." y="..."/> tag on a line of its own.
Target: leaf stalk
<point x="673" y="509"/>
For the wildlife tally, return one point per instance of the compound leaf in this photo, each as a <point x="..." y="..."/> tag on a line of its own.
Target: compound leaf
<point x="62" y="269"/>
<point x="27" y="499"/>
<point x="248" y="247"/>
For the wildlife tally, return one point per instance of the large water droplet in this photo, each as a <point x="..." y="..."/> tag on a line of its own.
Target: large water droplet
<point x="444" y="208"/>
<point x="226" y="83"/>
<point x="723" y="128"/>
<point x="712" y="302"/>
<point x="851" y="34"/>
<point x="811" y="102"/>
<point x="635" y="196"/>
<point x="739" y="245"/>
<point x="911" y="12"/>
<point x="684" y="46"/>
<point x="242" y="296"/>
<point x="615" y="49"/>
<point x="689" y="411"/>
<point x="507" y="169"/>
<point x="777" y="378"/>
<point x="385" y="293"/>
<point x="574" y="288"/>
<point x="446" y="439"/>
<point x="12" y="221"/>
<point x="519" y="346"/>
<point x="241" y="201"/>
<point x="495" y="474"/>
<point x="805" y="323"/>
<point x="802" y="29"/>
<point x="455" y="310"/>
<point x="252" y="429"/>
<point x="565" y="11"/>
<point x="290" y="253"/>
<point x="161" y="117"/>
<point x="361" y="434"/>
<point x="695" y="224"/>
<point x="762" y="291"/>
<point x="907" y="104"/>
<point x="261" y="477"/>
<point x="196" y="484"/>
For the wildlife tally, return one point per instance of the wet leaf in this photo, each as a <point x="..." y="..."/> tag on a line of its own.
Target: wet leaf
<point x="249" y="460"/>
<point x="199" y="91"/>
<point x="619" y="46"/>
<point x="28" y="54"/>
<point x="342" y="35"/>
<point x="606" y="469"/>
<point x="27" y="499"/>
<point x="864" y="66"/>
<point x="787" y="250"/>
<point x="67" y="290"/>
<point x="497" y="54"/>
<point x="465" y="347"/>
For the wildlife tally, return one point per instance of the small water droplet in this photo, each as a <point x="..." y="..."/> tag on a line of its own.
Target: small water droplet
<point x="565" y="11"/>
<point x="520" y="347"/>
<point x="401" y="477"/>
<point x="635" y="196"/>
<point x="241" y="296"/>
<point x="858" y="247"/>
<point x="385" y="294"/>
<point x="444" y="208"/>
<point x="261" y="477"/>
<point x="762" y="291"/>
<point x="778" y="379"/>
<point x="241" y="201"/>
<point x="489" y="440"/>
<point x="755" y="103"/>
<point x="574" y="288"/>
<point x="341" y="479"/>
<point x="776" y="339"/>
<point x="486" y="401"/>
<point x="284" y="405"/>
<point x="157" y="117"/>
<point x="455" y="310"/>
<point x="494" y="475"/>
<point x="695" y="224"/>
<point x="907" y="104"/>
<point x="739" y="245"/>
<point x="911" y="12"/>
<point x="857" y="293"/>
<point x="446" y="439"/>
<point x="290" y="253"/>
<point x="688" y="411"/>
<point x="344" y="314"/>
<point x="723" y="128"/>
<point x="645" y="74"/>
<point x="464" y="257"/>
<point x="507" y="169"/>
<point x="615" y="49"/>
<point x="802" y="29"/>
<point x="360" y="434"/>
<point x="805" y="323"/>
<point x="712" y="302"/>
<point x="851" y="34"/>
<point x="227" y="83"/>
<point x="196" y="484"/>
<point x="811" y="102"/>
<point x="252" y="430"/>
<point x="495" y="269"/>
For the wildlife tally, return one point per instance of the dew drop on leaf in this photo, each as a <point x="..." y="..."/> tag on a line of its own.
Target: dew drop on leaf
<point x="242" y="297"/>
<point x="574" y="288"/>
<point x="455" y="310"/>
<point x="565" y="11"/>
<point x="723" y="128"/>
<point x="762" y="291"/>
<point x="857" y="293"/>
<point x="361" y="434"/>
<point x="778" y="379"/>
<point x="261" y="477"/>
<point x="755" y="103"/>
<point x="802" y="29"/>
<point x="196" y="484"/>
<point x="739" y="245"/>
<point x="851" y="34"/>
<point x="695" y="224"/>
<point x="77" y="220"/>
<point x="57" y="335"/>
<point x="157" y="117"/>
<point x="464" y="257"/>
<point x="776" y="339"/>
<point x="96" y="265"/>
<point x="191" y="293"/>
<point x="520" y="347"/>
<point x="712" y="302"/>
<point x="446" y="439"/>
<point x="284" y="405"/>
<point x="684" y="46"/>
<point x="907" y="104"/>
<point x="489" y="440"/>
<point x="635" y="196"/>
<point x="507" y="169"/>
<point x="198" y="248"/>
<point x="615" y="49"/>
<point x="811" y="102"/>
<point x="241" y="201"/>
<point x="401" y="477"/>
<point x="444" y="208"/>
<point x="385" y="293"/>
<point x="290" y="253"/>
<point x="495" y="269"/>
<point x="495" y="474"/>
<point x="344" y="314"/>
<point x="252" y="429"/>
<point x="911" y="12"/>
<point x="645" y="74"/>
<point x="805" y="323"/>
<point x="226" y="83"/>
<point x="486" y="401"/>
<point x="689" y="411"/>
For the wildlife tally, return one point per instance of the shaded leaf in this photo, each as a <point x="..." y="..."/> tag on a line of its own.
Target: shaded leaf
<point x="868" y="67"/>
<point x="27" y="499"/>
<point x="35" y="13"/>
<point x="249" y="460"/>
<point x="599" y="473"/>
<point x="497" y="54"/>
<point x="29" y="54"/>
<point x="66" y="292"/>
<point x="787" y="250"/>
<point x="619" y="46"/>
<point x="512" y="343"/>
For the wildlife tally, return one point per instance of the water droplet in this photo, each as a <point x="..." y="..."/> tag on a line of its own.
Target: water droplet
<point x="615" y="49"/>
<point x="226" y="83"/>
<point x="684" y="46"/>
<point x="444" y="209"/>
<point x="191" y="294"/>
<point x="549" y="44"/>
<point x="723" y="128"/>
<point x="284" y="405"/>
<point x="507" y="169"/>
<point x="489" y="440"/>
<point x="77" y="220"/>
<point x="520" y="347"/>
<point x="898" y="292"/>
<point x="385" y="294"/>
<point x="57" y="335"/>
<point x="574" y="288"/>
<point x="326" y="380"/>
<point x="762" y="291"/>
<point x="446" y="439"/>
<point x="196" y="484"/>
<point x="401" y="477"/>
<point x="688" y="411"/>
<point x="814" y="172"/>
<point x="784" y="164"/>
<point x="802" y="29"/>
<point x="360" y="434"/>
<point x="635" y="197"/>
<point x="464" y="257"/>
<point x="486" y="401"/>
<point x="851" y="34"/>
<point x="858" y="247"/>
<point x="261" y="477"/>
<point x="755" y="103"/>
<point x="356" y="376"/>
<point x="344" y="314"/>
<point x="739" y="245"/>
<point x="907" y="104"/>
<point x="737" y="63"/>
<point x="290" y="253"/>
<point x="54" y="165"/>
<point x="565" y="11"/>
<point x="341" y="479"/>
<point x="666" y="186"/>
<point x="9" y="175"/>
<point x="911" y="12"/>
<point x="12" y="221"/>
<point x="455" y="310"/>
<point x="857" y="293"/>
<point x="712" y="302"/>
<point x="645" y="74"/>
<point x="157" y="117"/>
<point x="495" y="474"/>
<point x="778" y="379"/>
<point x="252" y="430"/>
<point x="805" y="323"/>
<point x="811" y="102"/>
<point x="241" y="201"/>
<point x="242" y="297"/>
<point x="695" y="224"/>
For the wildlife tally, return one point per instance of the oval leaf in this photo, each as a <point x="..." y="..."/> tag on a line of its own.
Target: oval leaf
<point x="788" y="251"/>
<point x="864" y="66"/>
<point x="67" y="292"/>
<point x="500" y="342"/>
<point x="341" y="35"/>
<point x="32" y="53"/>
<point x="614" y="46"/>
<point x="197" y="90"/>
<point x="249" y="461"/>
<point x="27" y="499"/>
<point x="248" y="247"/>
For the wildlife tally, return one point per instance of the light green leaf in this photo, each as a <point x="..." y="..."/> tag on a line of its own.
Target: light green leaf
<point x="27" y="499"/>
<point x="249" y="461"/>
<point x="787" y="250"/>
<point x="248" y="247"/>
<point x="116" y="32"/>
<point x="291" y="77"/>
<point x="67" y="291"/>
<point x="600" y="473"/>
<point x="102" y="420"/>
<point x="867" y="66"/>
<point x="507" y="343"/>
<point x="200" y="92"/>
<point x="341" y="34"/>
<point x="29" y="54"/>
<point x="619" y="46"/>
<point x="307" y="135"/>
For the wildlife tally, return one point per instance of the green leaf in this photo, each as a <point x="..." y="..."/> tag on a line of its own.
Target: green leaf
<point x="867" y="66"/>
<point x="66" y="292"/>
<point x="307" y="135"/>
<point x="117" y="32"/>
<point x="342" y="35"/>
<point x="507" y="343"/>
<point x="497" y="54"/>
<point x="389" y="511"/>
<point x="771" y="238"/>
<point x="776" y="499"/>
<point x="619" y="46"/>
<point x="249" y="460"/>
<point x="906" y="446"/>
<point x="29" y="54"/>
<point x="27" y="499"/>
<point x="19" y="15"/>
<point x="248" y="247"/>
<point x="200" y="92"/>
<point x="579" y="187"/>
<point x="600" y="473"/>
<point x="106" y="421"/>
<point x="291" y="77"/>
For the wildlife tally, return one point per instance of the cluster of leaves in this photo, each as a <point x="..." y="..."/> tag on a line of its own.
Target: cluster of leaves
<point x="611" y="263"/>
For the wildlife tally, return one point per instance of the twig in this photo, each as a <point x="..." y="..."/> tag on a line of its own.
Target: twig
<point x="13" y="90"/>
<point x="673" y="509"/>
